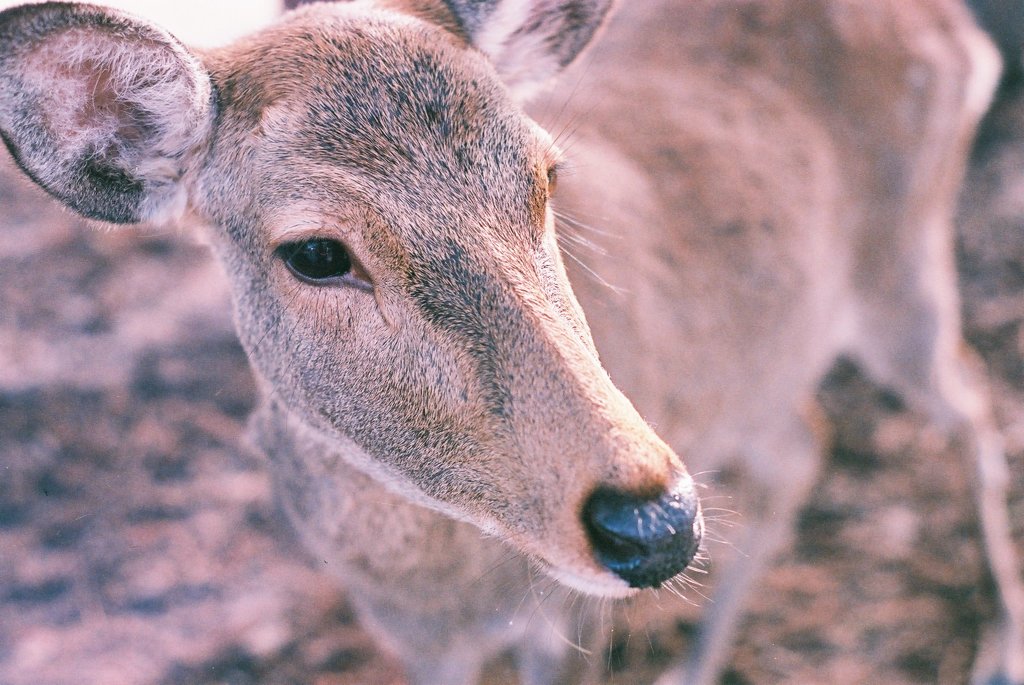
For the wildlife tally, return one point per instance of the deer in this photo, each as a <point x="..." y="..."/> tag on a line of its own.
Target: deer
<point x="450" y="408"/>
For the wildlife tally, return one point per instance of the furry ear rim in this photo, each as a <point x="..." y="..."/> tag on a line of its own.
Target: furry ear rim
<point x="530" y="41"/>
<point x="104" y="111"/>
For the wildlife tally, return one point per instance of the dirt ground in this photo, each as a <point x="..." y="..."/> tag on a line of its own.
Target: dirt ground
<point x="139" y="542"/>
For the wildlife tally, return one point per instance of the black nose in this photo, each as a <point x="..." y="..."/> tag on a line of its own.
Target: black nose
<point x="644" y="541"/>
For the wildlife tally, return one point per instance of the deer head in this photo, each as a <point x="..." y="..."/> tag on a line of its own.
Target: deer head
<point x="382" y="207"/>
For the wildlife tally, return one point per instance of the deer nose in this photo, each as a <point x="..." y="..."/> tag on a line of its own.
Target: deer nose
<point x="644" y="541"/>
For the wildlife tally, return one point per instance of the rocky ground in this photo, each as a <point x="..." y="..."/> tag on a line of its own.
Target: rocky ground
<point x="139" y="543"/>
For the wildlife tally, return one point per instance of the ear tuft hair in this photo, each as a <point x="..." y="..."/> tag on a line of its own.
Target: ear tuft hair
<point x="102" y="110"/>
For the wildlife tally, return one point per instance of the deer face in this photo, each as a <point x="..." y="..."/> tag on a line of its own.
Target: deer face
<point x="382" y="207"/>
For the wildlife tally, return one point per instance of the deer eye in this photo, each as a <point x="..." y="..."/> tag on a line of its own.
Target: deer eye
<point x="322" y="261"/>
<point x="552" y="180"/>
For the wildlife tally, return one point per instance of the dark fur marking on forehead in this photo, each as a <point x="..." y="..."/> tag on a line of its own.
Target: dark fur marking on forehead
<point x="379" y="127"/>
<point x="408" y="111"/>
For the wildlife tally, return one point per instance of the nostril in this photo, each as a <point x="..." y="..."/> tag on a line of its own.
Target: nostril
<point x="645" y="541"/>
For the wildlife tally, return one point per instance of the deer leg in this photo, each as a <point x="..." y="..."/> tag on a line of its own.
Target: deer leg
<point x="966" y="401"/>
<point x="922" y="355"/>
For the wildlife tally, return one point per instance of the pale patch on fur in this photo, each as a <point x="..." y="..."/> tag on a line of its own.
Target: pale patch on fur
<point x="276" y="116"/>
<point x="606" y="585"/>
<point x="986" y="68"/>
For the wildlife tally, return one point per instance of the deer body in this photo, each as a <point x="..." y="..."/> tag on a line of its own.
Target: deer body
<point x="770" y="202"/>
<point x="810" y="206"/>
<point x="384" y="212"/>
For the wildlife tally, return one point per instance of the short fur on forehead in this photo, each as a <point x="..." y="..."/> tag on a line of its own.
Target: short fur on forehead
<point x="101" y="110"/>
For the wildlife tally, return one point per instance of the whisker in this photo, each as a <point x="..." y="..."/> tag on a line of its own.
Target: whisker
<point x="576" y="239"/>
<point x="510" y="556"/>
<point x="597" y="277"/>
<point x="572" y="221"/>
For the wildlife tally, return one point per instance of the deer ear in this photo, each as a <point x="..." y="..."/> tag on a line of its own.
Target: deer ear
<point x="105" y="112"/>
<point x="530" y="41"/>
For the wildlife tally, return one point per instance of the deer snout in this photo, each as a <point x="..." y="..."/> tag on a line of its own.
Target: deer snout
<point x="644" y="540"/>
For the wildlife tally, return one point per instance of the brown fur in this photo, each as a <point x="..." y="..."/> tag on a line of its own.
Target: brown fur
<point x="781" y="197"/>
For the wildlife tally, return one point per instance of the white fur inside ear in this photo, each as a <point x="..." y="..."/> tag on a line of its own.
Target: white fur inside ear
<point x="523" y="58"/>
<point x="530" y="41"/>
<point x="505" y="20"/>
<point x="135" y="104"/>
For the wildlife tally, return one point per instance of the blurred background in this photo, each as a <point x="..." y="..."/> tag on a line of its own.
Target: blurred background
<point x="140" y="545"/>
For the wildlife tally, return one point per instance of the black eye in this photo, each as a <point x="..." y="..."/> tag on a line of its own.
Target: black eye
<point x="316" y="260"/>
<point x="552" y="180"/>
